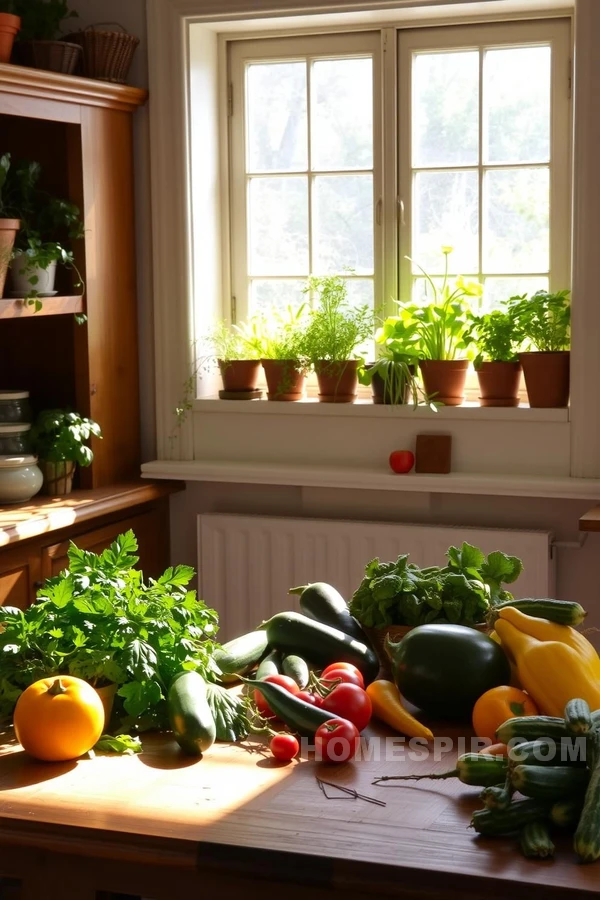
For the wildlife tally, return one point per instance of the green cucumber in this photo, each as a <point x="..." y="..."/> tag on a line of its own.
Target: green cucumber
<point x="535" y="840"/>
<point x="296" y="668"/>
<point x="578" y="717"/>
<point x="587" y="836"/>
<point x="269" y="665"/>
<point x="563" y="612"/>
<point x="498" y="796"/>
<point x="495" y="822"/>
<point x="293" y="633"/>
<point x="323" y="603"/>
<point x="475" y="769"/>
<point x="300" y="717"/>
<point x="546" y="752"/>
<point x="549" y="783"/>
<point x="190" y="715"/>
<point x="240" y="655"/>
<point x="529" y="728"/>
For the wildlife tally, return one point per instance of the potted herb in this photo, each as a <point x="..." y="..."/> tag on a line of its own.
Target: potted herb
<point x="59" y="439"/>
<point x="497" y="364"/>
<point x="544" y="323"/>
<point x="47" y="224"/>
<point x="237" y="351"/>
<point x="9" y="224"/>
<point x="283" y="355"/>
<point x="392" y="376"/>
<point x="335" y="331"/>
<point x="9" y="28"/>
<point x="39" y="44"/>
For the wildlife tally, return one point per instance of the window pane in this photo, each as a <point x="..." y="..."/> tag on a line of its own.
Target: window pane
<point x="516" y="220"/>
<point x="497" y="290"/>
<point x="269" y="293"/>
<point x="343" y="223"/>
<point x="277" y="120"/>
<point x="278" y="225"/>
<point x="446" y="109"/>
<point x="516" y="98"/>
<point x="446" y="212"/>
<point x="342" y="114"/>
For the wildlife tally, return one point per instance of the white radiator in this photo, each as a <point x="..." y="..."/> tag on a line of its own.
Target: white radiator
<point x="246" y="564"/>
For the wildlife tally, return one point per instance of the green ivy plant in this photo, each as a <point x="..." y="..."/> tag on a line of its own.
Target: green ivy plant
<point x="336" y="328"/>
<point x="495" y="337"/>
<point x="543" y="320"/>
<point x="59" y="435"/>
<point x="41" y="20"/>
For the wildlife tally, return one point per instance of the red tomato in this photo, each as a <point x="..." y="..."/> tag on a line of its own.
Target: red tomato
<point x="344" y="676"/>
<point x="350" y="702"/>
<point x="347" y="667"/>
<point x="402" y="461"/>
<point x="307" y="697"/>
<point x="284" y="747"/>
<point x="283" y="681"/>
<point x="336" y="741"/>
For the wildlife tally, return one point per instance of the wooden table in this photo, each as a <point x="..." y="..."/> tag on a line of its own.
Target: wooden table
<point x="237" y="825"/>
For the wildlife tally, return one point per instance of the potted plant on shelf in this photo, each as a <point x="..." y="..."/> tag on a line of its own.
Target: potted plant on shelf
<point x="335" y="331"/>
<point x="39" y="44"/>
<point x="9" y="224"/>
<point x="497" y="363"/>
<point x="393" y="376"/>
<point x="47" y="223"/>
<point x="59" y="438"/>
<point x="442" y="326"/>
<point x="283" y="354"/>
<point x="10" y="24"/>
<point x="238" y="352"/>
<point x="544" y="323"/>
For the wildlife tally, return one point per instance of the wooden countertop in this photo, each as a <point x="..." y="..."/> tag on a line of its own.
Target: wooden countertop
<point x="236" y="820"/>
<point x="46" y="514"/>
<point x="590" y="521"/>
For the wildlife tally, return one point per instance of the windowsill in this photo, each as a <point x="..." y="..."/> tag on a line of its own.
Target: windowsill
<point x="364" y="478"/>
<point x="367" y="409"/>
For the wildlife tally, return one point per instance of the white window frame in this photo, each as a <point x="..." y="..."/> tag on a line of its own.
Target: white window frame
<point x="169" y="24"/>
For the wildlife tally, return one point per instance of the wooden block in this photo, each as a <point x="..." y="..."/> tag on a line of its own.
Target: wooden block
<point x="433" y="454"/>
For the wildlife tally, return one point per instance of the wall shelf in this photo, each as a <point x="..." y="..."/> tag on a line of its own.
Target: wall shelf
<point x="51" y="306"/>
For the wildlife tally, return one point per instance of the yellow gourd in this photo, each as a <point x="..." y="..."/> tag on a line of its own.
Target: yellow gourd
<point x="545" y="630"/>
<point x="551" y="672"/>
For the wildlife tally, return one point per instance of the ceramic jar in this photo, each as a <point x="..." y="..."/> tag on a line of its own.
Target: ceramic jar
<point x="14" y="440"/>
<point x="20" y="478"/>
<point x="14" y="407"/>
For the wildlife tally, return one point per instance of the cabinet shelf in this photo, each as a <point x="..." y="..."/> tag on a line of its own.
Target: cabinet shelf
<point x="51" y="306"/>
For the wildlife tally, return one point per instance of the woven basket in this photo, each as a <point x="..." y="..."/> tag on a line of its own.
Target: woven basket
<point x="53" y="56"/>
<point x="58" y="477"/>
<point x="377" y="637"/>
<point x="107" y="55"/>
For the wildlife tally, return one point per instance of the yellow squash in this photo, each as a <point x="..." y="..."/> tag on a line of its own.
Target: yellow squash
<point x="551" y="672"/>
<point x="545" y="630"/>
<point x="387" y="706"/>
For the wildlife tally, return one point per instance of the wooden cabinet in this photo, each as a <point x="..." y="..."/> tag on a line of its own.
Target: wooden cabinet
<point x="20" y="572"/>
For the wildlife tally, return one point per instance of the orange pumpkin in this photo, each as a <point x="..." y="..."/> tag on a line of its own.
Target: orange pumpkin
<point x="496" y="706"/>
<point x="58" y="718"/>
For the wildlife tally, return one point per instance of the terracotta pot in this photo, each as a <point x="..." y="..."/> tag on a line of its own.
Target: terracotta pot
<point x="499" y="383"/>
<point x="338" y="381"/>
<point x="9" y="27"/>
<point x="58" y="477"/>
<point x="380" y="390"/>
<point x="239" y="374"/>
<point x="8" y="233"/>
<point x="107" y="695"/>
<point x="285" y="380"/>
<point x="444" y="380"/>
<point x="547" y="377"/>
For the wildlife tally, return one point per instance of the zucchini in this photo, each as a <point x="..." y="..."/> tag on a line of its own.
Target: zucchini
<point x="269" y="665"/>
<point x="494" y="822"/>
<point x="562" y="612"/>
<point x="549" y="783"/>
<point x="546" y="752"/>
<point x="535" y="840"/>
<point x="528" y="728"/>
<point x="476" y="769"/>
<point x="578" y="718"/>
<point x="239" y="656"/>
<point x="293" y="633"/>
<point x="296" y="668"/>
<point x="323" y="603"/>
<point x="498" y="796"/>
<point x="300" y="717"/>
<point x="587" y="836"/>
<point x="566" y="813"/>
<point x="189" y="714"/>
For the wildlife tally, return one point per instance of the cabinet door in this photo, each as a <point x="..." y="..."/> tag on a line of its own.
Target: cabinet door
<point x="150" y="528"/>
<point x="19" y="577"/>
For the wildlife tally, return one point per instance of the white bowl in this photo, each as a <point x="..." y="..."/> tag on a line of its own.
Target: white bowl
<point x="20" y="478"/>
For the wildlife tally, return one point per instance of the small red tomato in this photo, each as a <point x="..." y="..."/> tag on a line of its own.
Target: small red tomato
<point x="343" y="665"/>
<point x="284" y="747"/>
<point x="283" y="681"/>
<point x="344" y="676"/>
<point x="307" y="697"/>
<point x="348" y="701"/>
<point x="402" y="461"/>
<point x="336" y="741"/>
<point x="318" y="701"/>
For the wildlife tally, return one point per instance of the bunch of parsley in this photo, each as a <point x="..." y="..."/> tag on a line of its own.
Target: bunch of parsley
<point x="99" y="621"/>
<point x="461" y="592"/>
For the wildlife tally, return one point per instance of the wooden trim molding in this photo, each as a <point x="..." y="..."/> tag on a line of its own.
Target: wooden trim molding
<point x="42" y="85"/>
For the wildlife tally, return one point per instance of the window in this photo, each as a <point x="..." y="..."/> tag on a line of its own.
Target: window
<point x="477" y="157"/>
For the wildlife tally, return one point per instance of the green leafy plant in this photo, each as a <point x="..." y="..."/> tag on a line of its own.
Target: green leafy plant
<point x="543" y="320"/>
<point x="284" y="334"/>
<point x="60" y="435"/>
<point x="335" y="329"/>
<point x="442" y="324"/>
<point x="495" y="337"/>
<point x="396" y="365"/>
<point x="41" y="20"/>
<point x="461" y="592"/>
